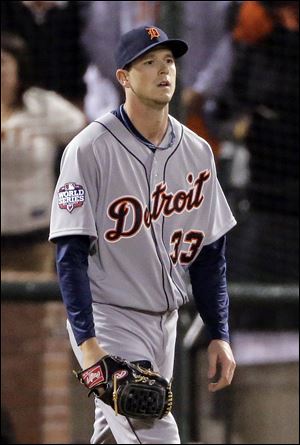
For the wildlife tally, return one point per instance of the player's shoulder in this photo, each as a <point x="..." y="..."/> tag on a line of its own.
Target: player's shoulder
<point x="197" y="141"/>
<point x="193" y="140"/>
<point x="92" y="134"/>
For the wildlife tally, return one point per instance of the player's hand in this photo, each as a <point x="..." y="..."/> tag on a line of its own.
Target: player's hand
<point x="220" y="355"/>
<point x="91" y="352"/>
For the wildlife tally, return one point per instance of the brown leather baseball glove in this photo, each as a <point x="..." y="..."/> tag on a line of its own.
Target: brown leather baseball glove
<point x="129" y="389"/>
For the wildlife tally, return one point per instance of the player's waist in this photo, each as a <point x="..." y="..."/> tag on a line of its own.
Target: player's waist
<point x="139" y="310"/>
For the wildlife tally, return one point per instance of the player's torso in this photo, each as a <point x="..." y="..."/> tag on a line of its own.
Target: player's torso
<point x="151" y="217"/>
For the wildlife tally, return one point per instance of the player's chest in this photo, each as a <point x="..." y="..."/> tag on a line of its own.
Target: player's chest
<point x="152" y="177"/>
<point x="153" y="193"/>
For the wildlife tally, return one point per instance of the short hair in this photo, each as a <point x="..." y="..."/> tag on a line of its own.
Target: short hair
<point x="17" y="47"/>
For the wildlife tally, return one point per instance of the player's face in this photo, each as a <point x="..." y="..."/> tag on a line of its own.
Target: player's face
<point x="152" y="77"/>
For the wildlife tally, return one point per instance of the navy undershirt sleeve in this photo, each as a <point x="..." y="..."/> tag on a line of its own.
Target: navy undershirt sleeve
<point x="208" y="279"/>
<point x="209" y="285"/>
<point x="72" y="263"/>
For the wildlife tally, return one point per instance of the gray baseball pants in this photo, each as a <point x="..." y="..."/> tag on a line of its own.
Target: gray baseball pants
<point x="133" y="335"/>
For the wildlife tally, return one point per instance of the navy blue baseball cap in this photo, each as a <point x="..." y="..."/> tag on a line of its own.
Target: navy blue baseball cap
<point x="140" y="40"/>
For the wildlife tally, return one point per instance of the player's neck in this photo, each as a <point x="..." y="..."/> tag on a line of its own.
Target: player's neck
<point x="151" y="123"/>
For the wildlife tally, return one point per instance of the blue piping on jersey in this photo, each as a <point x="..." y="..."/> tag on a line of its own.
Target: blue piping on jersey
<point x="152" y="230"/>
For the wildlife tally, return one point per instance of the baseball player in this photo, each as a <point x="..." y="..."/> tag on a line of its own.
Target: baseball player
<point x="137" y="215"/>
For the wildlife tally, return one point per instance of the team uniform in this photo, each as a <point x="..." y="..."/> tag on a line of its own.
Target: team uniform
<point x="148" y="214"/>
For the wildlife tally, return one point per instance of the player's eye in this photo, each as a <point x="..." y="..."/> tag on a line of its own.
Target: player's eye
<point x="148" y="62"/>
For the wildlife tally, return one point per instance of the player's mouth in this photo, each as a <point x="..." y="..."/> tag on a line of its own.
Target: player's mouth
<point x="164" y="83"/>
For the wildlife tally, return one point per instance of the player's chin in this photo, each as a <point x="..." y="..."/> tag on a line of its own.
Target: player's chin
<point x="164" y="99"/>
<point x="162" y="102"/>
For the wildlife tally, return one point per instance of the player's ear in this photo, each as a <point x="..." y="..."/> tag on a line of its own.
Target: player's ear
<point x="122" y="77"/>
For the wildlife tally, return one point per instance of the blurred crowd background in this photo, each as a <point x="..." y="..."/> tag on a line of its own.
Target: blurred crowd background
<point x="238" y="87"/>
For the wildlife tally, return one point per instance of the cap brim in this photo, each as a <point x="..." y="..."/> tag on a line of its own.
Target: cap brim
<point x="178" y="48"/>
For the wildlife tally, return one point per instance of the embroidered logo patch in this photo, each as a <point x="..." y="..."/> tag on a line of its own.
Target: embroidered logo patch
<point x="70" y="196"/>
<point x="93" y="376"/>
<point x="153" y="32"/>
<point x="120" y="374"/>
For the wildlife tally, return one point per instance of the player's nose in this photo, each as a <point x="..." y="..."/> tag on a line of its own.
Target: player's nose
<point x="164" y="67"/>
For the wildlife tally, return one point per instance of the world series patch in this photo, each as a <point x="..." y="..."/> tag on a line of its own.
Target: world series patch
<point x="70" y="196"/>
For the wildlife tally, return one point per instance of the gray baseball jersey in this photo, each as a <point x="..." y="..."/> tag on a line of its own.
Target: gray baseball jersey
<point x="148" y="214"/>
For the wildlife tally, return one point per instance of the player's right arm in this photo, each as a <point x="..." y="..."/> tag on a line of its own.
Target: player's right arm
<point x="91" y="352"/>
<point x="72" y="228"/>
<point x="72" y="264"/>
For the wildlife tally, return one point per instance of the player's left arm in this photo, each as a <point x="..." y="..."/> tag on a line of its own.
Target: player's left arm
<point x="220" y="354"/>
<point x="209" y="284"/>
